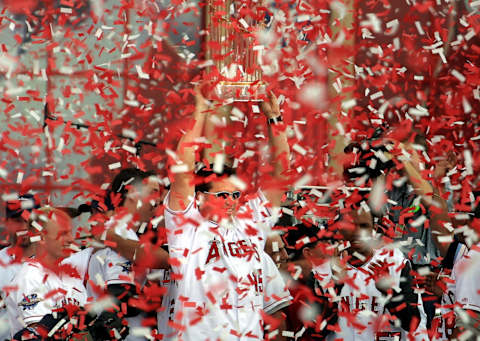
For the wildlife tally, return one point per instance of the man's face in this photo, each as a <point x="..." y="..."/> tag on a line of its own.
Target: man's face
<point x="218" y="203"/>
<point x="357" y="228"/>
<point x="58" y="237"/>
<point x="144" y="198"/>
<point x="275" y="248"/>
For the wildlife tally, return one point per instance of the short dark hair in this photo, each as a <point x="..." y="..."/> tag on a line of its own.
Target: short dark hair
<point x="205" y="176"/>
<point x="299" y="237"/>
<point x="116" y="195"/>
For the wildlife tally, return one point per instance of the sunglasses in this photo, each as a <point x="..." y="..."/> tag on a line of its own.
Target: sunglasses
<point x="224" y="195"/>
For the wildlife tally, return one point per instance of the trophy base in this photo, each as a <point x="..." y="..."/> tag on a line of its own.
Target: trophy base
<point x="241" y="91"/>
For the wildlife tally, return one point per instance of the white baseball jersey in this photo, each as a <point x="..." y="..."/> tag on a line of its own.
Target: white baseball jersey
<point x="165" y="316"/>
<point x="220" y="270"/>
<point x="362" y="307"/>
<point x="108" y="267"/>
<point x="448" y="300"/>
<point x="39" y="292"/>
<point x="274" y="287"/>
<point x="467" y="279"/>
<point x="8" y="269"/>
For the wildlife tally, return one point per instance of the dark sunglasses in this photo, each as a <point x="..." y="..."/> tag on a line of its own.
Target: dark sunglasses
<point x="224" y="195"/>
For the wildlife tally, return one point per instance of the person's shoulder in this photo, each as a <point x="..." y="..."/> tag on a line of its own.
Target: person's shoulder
<point x="4" y="253"/>
<point x="80" y="260"/>
<point x="190" y="208"/>
<point x="29" y="271"/>
<point x="77" y="257"/>
<point x="474" y="249"/>
<point x="5" y="258"/>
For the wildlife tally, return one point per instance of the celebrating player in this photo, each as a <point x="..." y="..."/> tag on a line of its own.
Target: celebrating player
<point x="217" y="253"/>
<point x="134" y="195"/>
<point x="377" y="296"/>
<point x="312" y="309"/>
<point x="43" y="285"/>
<point x="467" y="284"/>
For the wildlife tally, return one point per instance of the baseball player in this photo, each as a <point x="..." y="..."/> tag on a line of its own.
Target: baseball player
<point x="20" y="247"/>
<point x="43" y="283"/>
<point x="216" y="244"/>
<point x="376" y="301"/>
<point x="443" y="285"/>
<point x="467" y="284"/>
<point x="134" y="195"/>
<point x="312" y="309"/>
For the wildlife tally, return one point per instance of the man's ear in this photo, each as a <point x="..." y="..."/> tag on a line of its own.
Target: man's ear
<point x="199" y="199"/>
<point x="307" y="253"/>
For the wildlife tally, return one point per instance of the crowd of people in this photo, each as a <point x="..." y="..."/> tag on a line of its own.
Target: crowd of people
<point x="202" y="258"/>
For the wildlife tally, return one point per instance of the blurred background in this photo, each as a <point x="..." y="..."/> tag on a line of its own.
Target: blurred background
<point x="340" y="68"/>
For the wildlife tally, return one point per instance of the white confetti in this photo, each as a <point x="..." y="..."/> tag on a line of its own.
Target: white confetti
<point x="419" y="28"/>
<point x="275" y="247"/>
<point x="37" y="225"/>
<point x="20" y="177"/>
<point x="129" y="149"/>
<point x="299" y="149"/>
<point x="243" y="23"/>
<point x="140" y="72"/>
<point x="419" y="221"/>
<point x="376" y="95"/>
<point x="219" y="162"/>
<point x="155" y="221"/>
<point x="35" y="239"/>
<point x="346" y="105"/>
<point x="115" y="165"/>
<point x="359" y="256"/>
<point x="418" y="111"/>
<point x="34" y="115"/>
<point x="467" y="154"/>
<point x="304" y="180"/>
<point x="237" y="182"/>
<point x="458" y="76"/>
<point x="445" y="239"/>
<point x="207" y="63"/>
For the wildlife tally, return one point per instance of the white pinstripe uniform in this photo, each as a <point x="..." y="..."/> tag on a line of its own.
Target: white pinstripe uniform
<point x="224" y="269"/>
<point x="363" y="301"/>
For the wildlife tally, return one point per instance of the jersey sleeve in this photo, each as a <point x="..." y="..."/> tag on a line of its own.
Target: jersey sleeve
<point x="276" y="295"/>
<point x="30" y="299"/>
<point x="117" y="269"/>
<point x="80" y="261"/>
<point x="181" y="225"/>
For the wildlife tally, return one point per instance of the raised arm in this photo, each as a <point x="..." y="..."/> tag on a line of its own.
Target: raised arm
<point x="182" y="188"/>
<point x="431" y="198"/>
<point x="280" y="150"/>
<point x="147" y="256"/>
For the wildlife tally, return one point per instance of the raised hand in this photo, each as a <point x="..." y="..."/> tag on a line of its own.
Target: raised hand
<point x="271" y="107"/>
